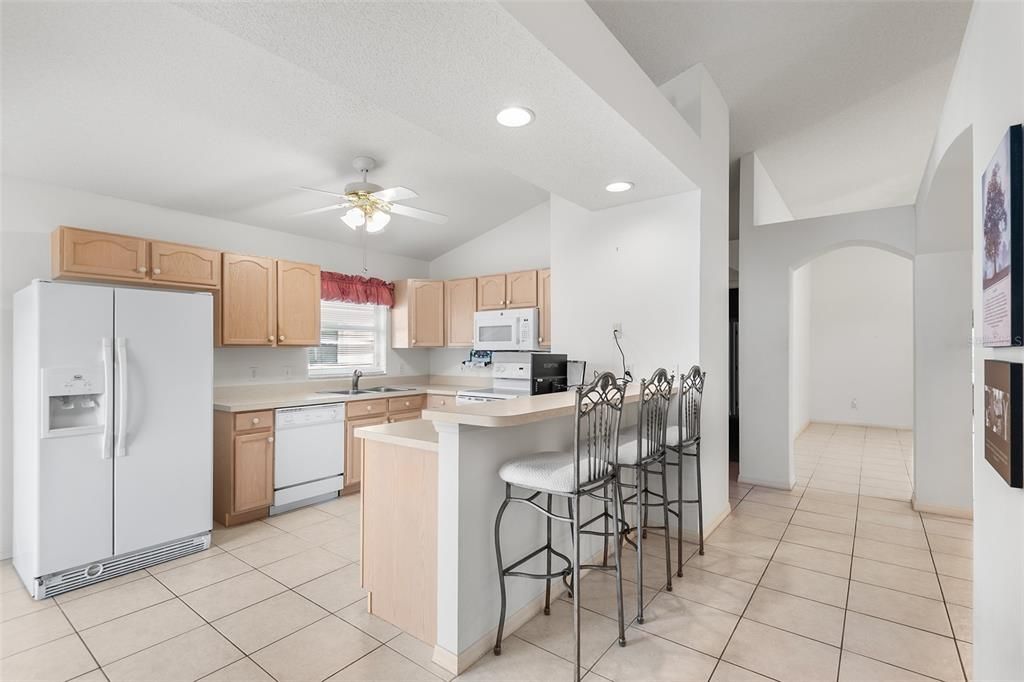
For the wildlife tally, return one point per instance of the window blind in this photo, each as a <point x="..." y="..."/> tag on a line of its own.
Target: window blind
<point x="352" y="336"/>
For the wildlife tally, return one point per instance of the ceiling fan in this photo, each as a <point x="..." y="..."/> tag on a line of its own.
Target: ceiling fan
<point x="370" y="206"/>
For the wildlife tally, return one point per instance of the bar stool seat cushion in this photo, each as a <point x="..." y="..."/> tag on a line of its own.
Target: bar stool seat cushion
<point x="551" y="471"/>
<point x="672" y="440"/>
<point x="628" y="452"/>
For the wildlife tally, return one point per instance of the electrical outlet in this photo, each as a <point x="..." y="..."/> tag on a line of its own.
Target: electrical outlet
<point x="853" y="403"/>
<point x="253" y="371"/>
<point x="617" y="328"/>
<point x="288" y="371"/>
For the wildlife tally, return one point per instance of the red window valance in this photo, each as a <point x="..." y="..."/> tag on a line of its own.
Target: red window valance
<point x="335" y="286"/>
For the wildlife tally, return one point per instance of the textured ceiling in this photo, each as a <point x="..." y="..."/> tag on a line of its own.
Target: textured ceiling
<point x="840" y="99"/>
<point x="221" y="108"/>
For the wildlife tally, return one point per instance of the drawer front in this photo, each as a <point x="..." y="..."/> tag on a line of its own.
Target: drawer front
<point x="253" y="421"/>
<point x="412" y="402"/>
<point x="436" y="401"/>
<point x="366" y="408"/>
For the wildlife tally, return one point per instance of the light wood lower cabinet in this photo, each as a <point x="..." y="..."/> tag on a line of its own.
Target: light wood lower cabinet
<point x="354" y="450"/>
<point x="436" y="401"/>
<point x="243" y="466"/>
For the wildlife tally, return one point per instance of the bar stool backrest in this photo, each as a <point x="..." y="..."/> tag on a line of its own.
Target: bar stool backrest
<point x="691" y="390"/>
<point x="652" y="422"/>
<point x="596" y="429"/>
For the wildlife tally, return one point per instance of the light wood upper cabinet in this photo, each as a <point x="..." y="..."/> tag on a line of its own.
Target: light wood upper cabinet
<point x="298" y="304"/>
<point x="253" y="473"/>
<point x="521" y="289"/>
<point x="181" y="264"/>
<point x="248" y="301"/>
<point x="97" y="255"/>
<point x="544" y="304"/>
<point x="490" y="292"/>
<point x="417" y="320"/>
<point x="459" y="307"/>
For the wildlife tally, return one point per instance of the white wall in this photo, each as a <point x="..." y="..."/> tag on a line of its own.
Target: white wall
<point x="31" y="211"/>
<point x="638" y="265"/>
<point x="522" y="243"/>
<point x="768" y="256"/>
<point x="986" y="95"/>
<point x="800" y="350"/>
<point x="862" y="338"/>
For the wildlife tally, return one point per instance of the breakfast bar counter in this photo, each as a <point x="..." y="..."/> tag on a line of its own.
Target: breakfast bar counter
<point x="429" y="498"/>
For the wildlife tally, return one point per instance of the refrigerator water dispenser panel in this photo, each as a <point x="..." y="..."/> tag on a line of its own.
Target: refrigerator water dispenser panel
<point x="73" y="400"/>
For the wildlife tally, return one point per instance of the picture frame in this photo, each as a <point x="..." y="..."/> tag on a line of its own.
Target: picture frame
<point x="1002" y="225"/>
<point x="1003" y="411"/>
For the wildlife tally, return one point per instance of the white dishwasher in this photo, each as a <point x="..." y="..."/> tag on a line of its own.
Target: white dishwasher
<point x="309" y="455"/>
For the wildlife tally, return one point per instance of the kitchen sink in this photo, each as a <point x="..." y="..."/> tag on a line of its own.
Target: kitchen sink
<point x="347" y="392"/>
<point x="383" y="389"/>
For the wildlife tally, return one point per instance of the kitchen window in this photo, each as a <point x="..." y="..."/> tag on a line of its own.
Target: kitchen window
<point x="352" y="336"/>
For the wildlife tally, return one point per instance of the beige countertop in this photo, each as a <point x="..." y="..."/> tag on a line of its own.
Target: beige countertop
<point x="419" y="434"/>
<point x="300" y="394"/>
<point x="522" y="410"/>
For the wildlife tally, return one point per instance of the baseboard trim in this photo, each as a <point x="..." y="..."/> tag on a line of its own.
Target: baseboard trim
<point x="746" y="480"/>
<point x="957" y="512"/>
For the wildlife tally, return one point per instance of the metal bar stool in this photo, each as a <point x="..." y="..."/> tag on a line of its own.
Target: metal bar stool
<point x="684" y="441"/>
<point x="586" y="471"/>
<point x="645" y="456"/>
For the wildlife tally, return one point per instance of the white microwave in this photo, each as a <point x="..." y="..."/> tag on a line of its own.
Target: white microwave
<point x="506" y="329"/>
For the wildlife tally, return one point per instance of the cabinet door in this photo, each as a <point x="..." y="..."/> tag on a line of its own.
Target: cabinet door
<point x="247" y="307"/>
<point x="181" y="264"/>
<point x="298" y="304"/>
<point x="426" y="313"/>
<point x="521" y="289"/>
<point x="544" y="303"/>
<point x="98" y="254"/>
<point x="404" y="416"/>
<point x="354" y="448"/>
<point x="253" y="480"/>
<point x="459" y="307"/>
<point x="490" y="292"/>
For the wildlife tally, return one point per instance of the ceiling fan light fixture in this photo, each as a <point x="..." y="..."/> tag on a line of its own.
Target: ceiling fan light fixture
<point x="515" y="117"/>
<point x="619" y="186"/>
<point x="377" y="221"/>
<point x="354" y="218"/>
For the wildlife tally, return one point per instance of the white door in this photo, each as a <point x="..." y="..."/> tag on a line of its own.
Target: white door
<point x="163" y="455"/>
<point x="75" y="507"/>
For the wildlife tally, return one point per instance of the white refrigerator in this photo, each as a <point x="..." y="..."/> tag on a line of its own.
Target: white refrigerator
<point x="113" y="431"/>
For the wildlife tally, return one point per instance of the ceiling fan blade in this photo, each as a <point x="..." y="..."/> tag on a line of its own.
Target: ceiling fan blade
<point x="395" y="194"/>
<point x="322" y="191"/>
<point x="419" y="214"/>
<point x="335" y="207"/>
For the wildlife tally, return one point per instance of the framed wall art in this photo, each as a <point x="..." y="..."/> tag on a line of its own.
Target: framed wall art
<point x="1002" y="222"/>
<point x="1003" y="420"/>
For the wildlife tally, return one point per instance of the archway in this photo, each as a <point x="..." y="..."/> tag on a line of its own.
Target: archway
<point x="851" y="379"/>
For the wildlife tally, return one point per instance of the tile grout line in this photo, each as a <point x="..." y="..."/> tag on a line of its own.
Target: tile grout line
<point x="945" y="604"/>
<point x="849" y="581"/>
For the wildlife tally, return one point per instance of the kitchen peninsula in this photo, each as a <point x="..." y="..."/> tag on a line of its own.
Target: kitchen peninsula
<point x="430" y="494"/>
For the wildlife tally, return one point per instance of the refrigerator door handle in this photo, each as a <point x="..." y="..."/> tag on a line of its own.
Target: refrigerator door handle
<point x="122" y="396"/>
<point x="108" y="418"/>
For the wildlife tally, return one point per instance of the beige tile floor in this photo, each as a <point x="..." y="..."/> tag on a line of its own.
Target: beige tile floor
<point x="836" y="580"/>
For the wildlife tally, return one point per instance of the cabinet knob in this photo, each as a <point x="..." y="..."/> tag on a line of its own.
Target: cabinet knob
<point x="503" y="301"/>
<point x="369" y="408"/>
<point x="414" y="341"/>
<point x="443" y="403"/>
<point x="142" y="269"/>
<point x="280" y="338"/>
<point x="255" y="420"/>
<point x="270" y="338"/>
<point x="270" y="439"/>
<point x="156" y="271"/>
<point x="540" y="339"/>
<point x="407" y="403"/>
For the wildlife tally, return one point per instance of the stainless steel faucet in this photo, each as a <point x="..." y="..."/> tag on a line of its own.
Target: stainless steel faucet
<point x="355" y="379"/>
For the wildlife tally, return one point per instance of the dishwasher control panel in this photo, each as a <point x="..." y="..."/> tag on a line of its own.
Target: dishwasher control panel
<point x="291" y="417"/>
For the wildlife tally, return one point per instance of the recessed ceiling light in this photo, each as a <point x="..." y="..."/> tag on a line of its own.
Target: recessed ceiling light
<point x="619" y="186"/>
<point x="515" y="117"/>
